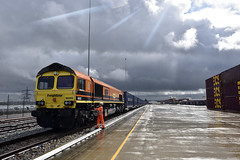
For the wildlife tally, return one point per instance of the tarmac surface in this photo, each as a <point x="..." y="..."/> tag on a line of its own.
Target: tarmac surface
<point x="165" y="132"/>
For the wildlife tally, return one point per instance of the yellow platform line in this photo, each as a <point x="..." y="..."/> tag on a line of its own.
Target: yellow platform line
<point x="121" y="146"/>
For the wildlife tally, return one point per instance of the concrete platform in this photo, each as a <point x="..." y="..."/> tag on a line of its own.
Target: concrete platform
<point x="166" y="132"/>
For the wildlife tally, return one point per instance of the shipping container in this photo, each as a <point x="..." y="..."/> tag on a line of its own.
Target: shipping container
<point x="214" y="92"/>
<point x="215" y="103"/>
<point x="209" y="83"/>
<point x="231" y="75"/>
<point x="223" y="90"/>
<point x="230" y="89"/>
<point x="210" y="93"/>
<point x="210" y="103"/>
<point x="232" y="103"/>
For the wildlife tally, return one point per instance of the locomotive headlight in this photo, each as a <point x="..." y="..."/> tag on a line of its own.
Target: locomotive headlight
<point x="68" y="103"/>
<point x="79" y="98"/>
<point x="40" y="103"/>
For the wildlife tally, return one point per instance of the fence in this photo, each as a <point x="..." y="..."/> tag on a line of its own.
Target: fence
<point x="16" y="107"/>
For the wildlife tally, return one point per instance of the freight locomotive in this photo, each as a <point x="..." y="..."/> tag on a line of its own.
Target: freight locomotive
<point x="65" y="98"/>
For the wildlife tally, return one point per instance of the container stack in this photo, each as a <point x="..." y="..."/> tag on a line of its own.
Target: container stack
<point x="223" y="90"/>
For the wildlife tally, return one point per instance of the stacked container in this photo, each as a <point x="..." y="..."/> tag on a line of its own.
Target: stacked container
<point x="214" y="92"/>
<point x="223" y="90"/>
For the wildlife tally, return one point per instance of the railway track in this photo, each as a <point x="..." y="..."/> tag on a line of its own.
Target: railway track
<point x="13" y="120"/>
<point x="13" y="125"/>
<point x="22" y="144"/>
<point x="16" y="127"/>
<point x="34" y="145"/>
<point x="15" y="133"/>
<point x="40" y="141"/>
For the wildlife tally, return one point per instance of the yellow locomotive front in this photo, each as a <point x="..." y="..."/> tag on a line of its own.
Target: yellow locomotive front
<point x="55" y="90"/>
<point x="55" y="97"/>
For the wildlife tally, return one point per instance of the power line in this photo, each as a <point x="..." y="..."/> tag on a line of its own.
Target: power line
<point x="26" y="94"/>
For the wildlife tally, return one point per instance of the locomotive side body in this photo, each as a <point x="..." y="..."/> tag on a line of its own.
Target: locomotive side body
<point x="111" y="97"/>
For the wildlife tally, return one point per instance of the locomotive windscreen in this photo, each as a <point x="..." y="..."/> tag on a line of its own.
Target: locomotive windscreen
<point x="45" y="82"/>
<point x="65" y="82"/>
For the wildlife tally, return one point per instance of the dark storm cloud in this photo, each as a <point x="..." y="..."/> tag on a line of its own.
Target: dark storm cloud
<point x="164" y="51"/>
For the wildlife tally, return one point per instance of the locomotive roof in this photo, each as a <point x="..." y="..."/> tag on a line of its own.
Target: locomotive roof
<point x="105" y="85"/>
<point x="55" y="67"/>
<point x="60" y="67"/>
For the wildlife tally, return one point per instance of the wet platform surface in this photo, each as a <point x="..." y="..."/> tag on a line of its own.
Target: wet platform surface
<point x="166" y="132"/>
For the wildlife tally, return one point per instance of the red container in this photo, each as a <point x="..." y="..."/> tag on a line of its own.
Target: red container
<point x="215" y="104"/>
<point x="231" y="75"/>
<point x="223" y="90"/>
<point x="214" y="92"/>
<point x="232" y="103"/>
<point x="209" y="83"/>
<point x="210" y="93"/>
<point x="210" y="104"/>
<point x="230" y="89"/>
<point x="214" y="81"/>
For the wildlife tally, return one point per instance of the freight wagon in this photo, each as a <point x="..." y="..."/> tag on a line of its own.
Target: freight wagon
<point x="131" y="101"/>
<point x="223" y="90"/>
<point x="128" y="101"/>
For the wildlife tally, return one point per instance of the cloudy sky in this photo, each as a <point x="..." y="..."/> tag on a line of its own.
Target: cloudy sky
<point x="171" y="47"/>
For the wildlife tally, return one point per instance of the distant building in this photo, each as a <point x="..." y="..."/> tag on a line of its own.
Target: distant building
<point x="186" y="101"/>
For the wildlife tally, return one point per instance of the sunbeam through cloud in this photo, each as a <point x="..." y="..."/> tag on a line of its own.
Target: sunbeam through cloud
<point x="147" y="42"/>
<point x="120" y="22"/>
<point x="71" y="14"/>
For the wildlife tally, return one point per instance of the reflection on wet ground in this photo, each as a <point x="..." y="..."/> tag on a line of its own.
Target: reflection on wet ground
<point x="167" y="132"/>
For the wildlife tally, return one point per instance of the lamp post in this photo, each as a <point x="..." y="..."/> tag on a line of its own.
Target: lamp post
<point x="125" y="74"/>
<point x="89" y="27"/>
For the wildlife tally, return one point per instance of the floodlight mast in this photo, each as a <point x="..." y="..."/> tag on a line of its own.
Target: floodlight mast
<point x="125" y="74"/>
<point x="89" y="33"/>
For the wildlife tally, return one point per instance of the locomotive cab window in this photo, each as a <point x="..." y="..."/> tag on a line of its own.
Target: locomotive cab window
<point x="65" y="82"/>
<point x="45" y="82"/>
<point x="81" y="84"/>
